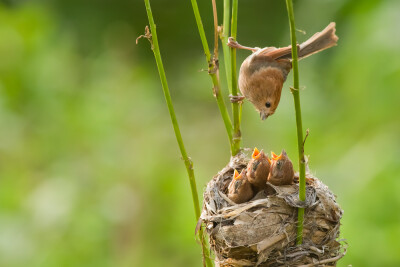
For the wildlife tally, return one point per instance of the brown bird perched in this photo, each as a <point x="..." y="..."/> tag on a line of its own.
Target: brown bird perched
<point x="258" y="170"/>
<point x="263" y="73"/>
<point x="240" y="190"/>
<point x="281" y="172"/>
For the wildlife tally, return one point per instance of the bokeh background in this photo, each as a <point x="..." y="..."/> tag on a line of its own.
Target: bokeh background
<point x="90" y="172"/>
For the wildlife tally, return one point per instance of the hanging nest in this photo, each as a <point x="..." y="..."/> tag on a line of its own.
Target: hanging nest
<point x="262" y="231"/>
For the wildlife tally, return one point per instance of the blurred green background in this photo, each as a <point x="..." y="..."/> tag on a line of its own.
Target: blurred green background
<point x="90" y="172"/>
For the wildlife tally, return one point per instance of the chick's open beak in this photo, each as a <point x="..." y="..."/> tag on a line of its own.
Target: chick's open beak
<point x="256" y="152"/>
<point x="237" y="176"/>
<point x="275" y="156"/>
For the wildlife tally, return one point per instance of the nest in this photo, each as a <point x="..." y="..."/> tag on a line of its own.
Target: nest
<point x="262" y="231"/>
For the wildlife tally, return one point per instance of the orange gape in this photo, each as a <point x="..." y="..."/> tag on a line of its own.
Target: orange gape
<point x="263" y="73"/>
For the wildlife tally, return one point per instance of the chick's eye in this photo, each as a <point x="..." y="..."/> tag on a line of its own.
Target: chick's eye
<point x="268" y="104"/>
<point x="255" y="165"/>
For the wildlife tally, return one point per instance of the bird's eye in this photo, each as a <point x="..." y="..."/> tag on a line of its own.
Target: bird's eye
<point x="268" y="104"/>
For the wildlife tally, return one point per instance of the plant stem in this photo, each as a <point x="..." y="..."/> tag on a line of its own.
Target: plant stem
<point x="225" y="47"/>
<point x="296" y="98"/>
<point x="237" y="136"/>
<point x="188" y="162"/>
<point x="215" y="15"/>
<point x="214" y="74"/>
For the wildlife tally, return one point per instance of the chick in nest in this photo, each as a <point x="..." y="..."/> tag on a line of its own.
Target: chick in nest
<point x="281" y="172"/>
<point x="258" y="170"/>
<point x="240" y="190"/>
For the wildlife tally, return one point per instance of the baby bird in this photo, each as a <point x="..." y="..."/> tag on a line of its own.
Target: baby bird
<point x="239" y="190"/>
<point x="263" y="73"/>
<point x="281" y="172"/>
<point x="258" y="170"/>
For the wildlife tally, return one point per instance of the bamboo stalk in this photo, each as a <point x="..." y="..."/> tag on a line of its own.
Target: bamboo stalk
<point x="299" y="124"/>
<point x="152" y="35"/>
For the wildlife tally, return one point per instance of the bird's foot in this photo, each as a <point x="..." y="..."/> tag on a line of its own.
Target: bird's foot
<point x="236" y="98"/>
<point x="234" y="44"/>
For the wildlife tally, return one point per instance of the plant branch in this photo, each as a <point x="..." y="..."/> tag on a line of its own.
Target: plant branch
<point x="152" y="36"/>
<point x="225" y="48"/>
<point x="213" y="71"/>
<point x="215" y="15"/>
<point x="296" y="97"/>
<point x="237" y="136"/>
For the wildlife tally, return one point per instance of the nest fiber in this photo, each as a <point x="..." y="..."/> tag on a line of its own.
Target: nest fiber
<point x="262" y="231"/>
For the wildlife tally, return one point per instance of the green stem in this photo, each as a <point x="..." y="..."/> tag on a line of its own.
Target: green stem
<point x="237" y="136"/>
<point x="214" y="74"/>
<point x="225" y="47"/>
<point x="296" y="98"/>
<point x="188" y="162"/>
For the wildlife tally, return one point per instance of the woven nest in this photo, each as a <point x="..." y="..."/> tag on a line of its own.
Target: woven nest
<point x="262" y="231"/>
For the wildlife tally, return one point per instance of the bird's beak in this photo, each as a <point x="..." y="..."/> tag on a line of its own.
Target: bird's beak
<point x="236" y="175"/>
<point x="275" y="156"/>
<point x="255" y="153"/>
<point x="260" y="155"/>
<point x="263" y="115"/>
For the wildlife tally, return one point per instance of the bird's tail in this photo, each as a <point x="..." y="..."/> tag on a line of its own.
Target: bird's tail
<point x="319" y="41"/>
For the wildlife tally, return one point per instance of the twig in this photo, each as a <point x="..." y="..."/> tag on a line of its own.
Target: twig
<point x="334" y="259"/>
<point x="188" y="162"/>
<point x="146" y="35"/>
<point x="237" y="135"/>
<point x="215" y="15"/>
<point x="305" y="139"/>
<point x="299" y="124"/>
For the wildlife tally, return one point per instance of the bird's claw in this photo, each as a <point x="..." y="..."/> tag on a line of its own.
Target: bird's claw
<point x="234" y="44"/>
<point x="236" y="98"/>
